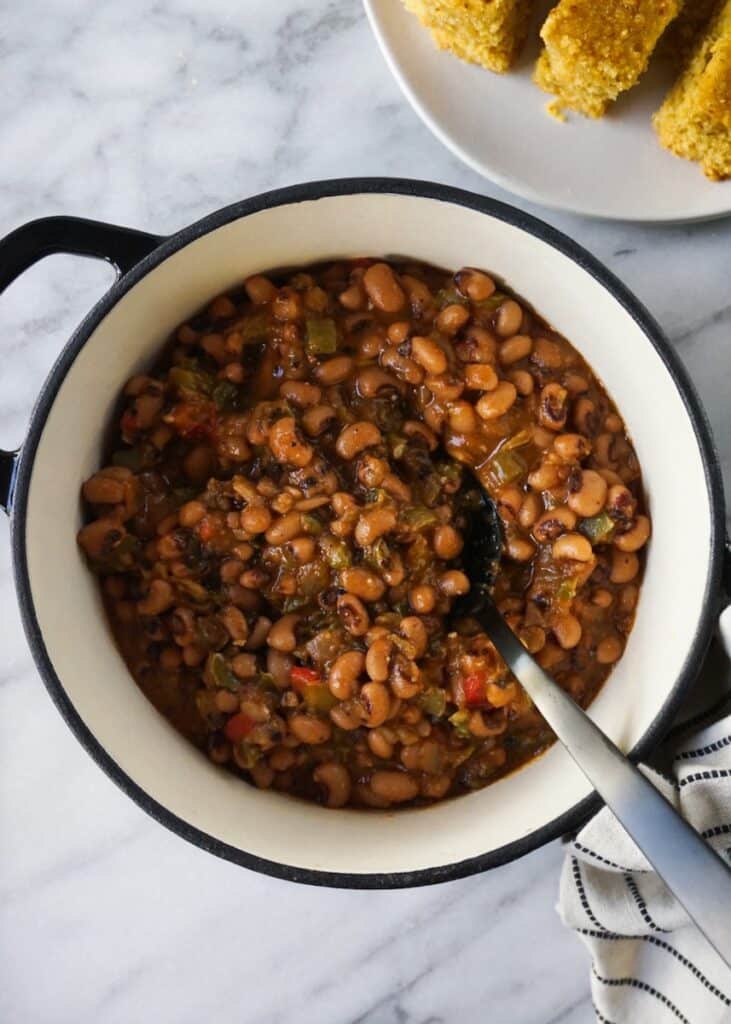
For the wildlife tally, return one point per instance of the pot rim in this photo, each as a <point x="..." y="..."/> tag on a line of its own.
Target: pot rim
<point x="575" y="816"/>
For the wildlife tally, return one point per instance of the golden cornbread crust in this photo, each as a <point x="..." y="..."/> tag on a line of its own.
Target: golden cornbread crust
<point x="597" y="49"/>
<point x="486" y="32"/>
<point x="695" y="119"/>
<point x="684" y="32"/>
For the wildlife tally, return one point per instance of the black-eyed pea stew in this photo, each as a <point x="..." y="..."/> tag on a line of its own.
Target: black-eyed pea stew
<point x="279" y="530"/>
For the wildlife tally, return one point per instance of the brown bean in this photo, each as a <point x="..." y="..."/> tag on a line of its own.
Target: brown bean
<point x="553" y="406"/>
<point x="334" y="371"/>
<point x="462" y="418"/>
<point x="519" y="548"/>
<point x="509" y="318"/>
<point x="422" y="598"/>
<point x="634" y="538"/>
<point x="609" y="650"/>
<point x="496" y="403"/>
<point x="103" y="490"/>
<point x="318" y="418"/>
<point x="160" y="597"/>
<point x="260" y="289"/>
<point x="473" y="284"/>
<point x="383" y="289"/>
<point x="454" y="583"/>
<point x="344" y="674"/>
<point x="353" y="298"/>
<point x="625" y="566"/>
<point x="547" y="354"/>
<point x="414" y="630"/>
<point x="279" y="666"/>
<point x="567" y="630"/>
<point x="480" y="377"/>
<point x="573" y="546"/>
<point x="335" y="782"/>
<point x="572" y="447"/>
<point x="524" y="383"/>
<point x="381" y="741"/>
<point x="393" y="786"/>
<point x="284" y="528"/>
<point x="235" y="622"/>
<point x="376" y="703"/>
<point x="256" y="518"/>
<point x="530" y="509"/>
<point x="404" y="368"/>
<point x="300" y="392"/>
<point x="428" y="354"/>
<point x="364" y="583"/>
<point x="452" y="318"/>
<point x="378" y="659"/>
<point x="515" y="348"/>
<point x="447" y="542"/>
<point x="191" y="513"/>
<point x="589" y="496"/>
<point x="310" y="730"/>
<point x="373" y="525"/>
<point x="552" y="523"/>
<point x="372" y="381"/>
<point x="356" y="437"/>
<point x="287" y="445"/>
<point x="353" y="614"/>
<point x="282" y="634"/>
<point x="244" y="666"/>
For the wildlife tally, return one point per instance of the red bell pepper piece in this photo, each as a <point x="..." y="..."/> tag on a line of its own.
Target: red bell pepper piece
<point x="238" y="726"/>
<point x="196" y="421"/>
<point x="301" y="676"/>
<point x="475" y="692"/>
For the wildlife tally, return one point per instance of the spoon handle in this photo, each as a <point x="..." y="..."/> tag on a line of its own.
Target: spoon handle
<point x="695" y="874"/>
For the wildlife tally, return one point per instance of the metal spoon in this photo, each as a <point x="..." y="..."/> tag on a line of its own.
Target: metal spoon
<point x="699" y="879"/>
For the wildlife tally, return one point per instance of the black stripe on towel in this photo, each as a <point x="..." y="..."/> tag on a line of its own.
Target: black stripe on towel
<point x="661" y="944"/>
<point x="598" y="856"/>
<point x="643" y="987"/>
<point x="712" y="773"/>
<point x="716" y="830"/>
<point x="582" y="894"/>
<point x="600" y="1016"/>
<point x="641" y="905"/>
<point x="687" y="755"/>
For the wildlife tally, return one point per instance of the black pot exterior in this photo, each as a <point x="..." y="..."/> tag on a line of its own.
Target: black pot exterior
<point x="135" y="254"/>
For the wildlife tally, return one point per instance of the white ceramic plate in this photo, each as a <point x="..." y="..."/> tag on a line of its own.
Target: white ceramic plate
<point x="498" y="125"/>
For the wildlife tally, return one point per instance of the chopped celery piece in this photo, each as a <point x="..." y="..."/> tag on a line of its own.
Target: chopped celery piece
<point x="336" y="553"/>
<point x="225" y="394"/>
<point x="197" y="381"/>
<point x="379" y="554"/>
<point x="419" y="518"/>
<point x="567" y="589"/>
<point x="598" y="529"/>
<point x="311" y="524"/>
<point x="460" y="721"/>
<point x="449" y="296"/>
<point x="321" y="335"/>
<point x="317" y="697"/>
<point x="519" y="440"/>
<point x="504" y="468"/>
<point x="433" y="701"/>
<point x="219" y="673"/>
<point x="494" y="302"/>
<point x="248" y="755"/>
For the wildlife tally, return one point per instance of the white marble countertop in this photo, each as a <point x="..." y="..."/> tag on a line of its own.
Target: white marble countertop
<point x="152" y="115"/>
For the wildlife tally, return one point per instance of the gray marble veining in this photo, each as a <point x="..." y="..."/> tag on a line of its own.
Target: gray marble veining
<point x="152" y="115"/>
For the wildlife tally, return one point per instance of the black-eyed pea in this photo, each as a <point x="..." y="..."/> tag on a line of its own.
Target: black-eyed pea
<point x="452" y="318"/>
<point x="300" y="392"/>
<point x="587" y="496"/>
<point x="523" y="381"/>
<point x="552" y="523"/>
<point x="496" y="403"/>
<point x="374" y="524"/>
<point x="423" y="598"/>
<point x="344" y="673"/>
<point x="547" y="354"/>
<point x="510" y="499"/>
<point x="256" y="518"/>
<point x="353" y="614"/>
<point x="381" y="741"/>
<point x="282" y="636"/>
<point x="383" y="289"/>
<point x="515" y="349"/>
<point x="334" y="780"/>
<point x="553" y="406"/>
<point x="414" y="630"/>
<point x="454" y="583"/>
<point x="378" y="659"/>
<point x="509" y="318"/>
<point x="530" y="509"/>
<point x="462" y="417"/>
<point x="394" y="786"/>
<point x="317" y="419"/>
<point x="364" y="583"/>
<point x="376" y="703"/>
<point x="310" y="730"/>
<point x="609" y="649"/>
<point x="428" y="354"/>
<point x="353" y="298"/>
<point x="480" y="377"/>
<point x="286" y="444"/>
<point x="634" y="538"/>
<point x="447" y="542"/>
<point x="625" y="566"/>
<point x="567" y="630"/>
<point x="545" y="476"/>
<point x="572" y="546"/>
<point x="284" y="529"/>
<point x="356" y="437"/>
<point x="160" y="597"/>
<point x="585" y="416"/>
<point x="474" y="284"/>
<point x="334" y="371"/>
<point x="572" y="447"/>
<point x="520" y="549"/>
<point x="260" y="289"/>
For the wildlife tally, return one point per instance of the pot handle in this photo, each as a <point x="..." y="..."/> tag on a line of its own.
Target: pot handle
<point x="122" y="247"/>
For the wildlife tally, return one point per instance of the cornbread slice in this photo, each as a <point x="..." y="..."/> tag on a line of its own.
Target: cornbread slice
<point x="597" y="49"/>
<point x="486" y="32"/>
<point x="695" y="119"/>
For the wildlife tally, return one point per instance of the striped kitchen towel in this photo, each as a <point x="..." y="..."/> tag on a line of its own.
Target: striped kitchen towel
<point x="650" y="965"/>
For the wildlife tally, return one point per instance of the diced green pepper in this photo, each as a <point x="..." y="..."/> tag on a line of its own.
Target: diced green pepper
<point x="248" y="755"/>
<point x="598" y="529"/>
<point x="449" y="296"/>
<point x="567" y="589"/>
<point x="519" y="440"/>
<point x="419" y="517"/>
<point x="255" y="328"/>
<point x="433" y="701"/>
<point x="494" y="302"/>
<point x="225" y="395"/>
<point x="503" y="468"/>
<point x="318" y="698"/>
<point x="336" y="553"/>
<point x="321" y="336"/>
<point x="218" y="672"/>
<point x="197" y="381"/>
<point x="311" y="524"/>
<point x="460" y="722"/>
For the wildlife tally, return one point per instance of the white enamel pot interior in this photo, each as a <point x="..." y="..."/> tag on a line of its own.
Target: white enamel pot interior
<point x="60" y="599"/>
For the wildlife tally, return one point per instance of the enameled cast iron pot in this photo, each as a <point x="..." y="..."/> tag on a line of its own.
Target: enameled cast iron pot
<point x="164" y="280"/>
